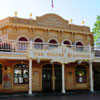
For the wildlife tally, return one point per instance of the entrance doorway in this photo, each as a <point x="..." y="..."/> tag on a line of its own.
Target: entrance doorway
<point x="97" y="78"/>
<point x="51" y="78"/>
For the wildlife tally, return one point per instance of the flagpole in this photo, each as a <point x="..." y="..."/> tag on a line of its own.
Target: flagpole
<point x="52" y="6"/>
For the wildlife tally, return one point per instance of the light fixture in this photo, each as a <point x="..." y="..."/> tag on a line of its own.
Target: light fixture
<point x="79" y="62"/>
<point x="51" y="61"/>
<point x="38" y="60"/>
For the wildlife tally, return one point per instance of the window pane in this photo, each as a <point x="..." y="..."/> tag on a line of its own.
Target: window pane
<point x="20" y="79"/>
<point x="0" y="66"/>
<point x="21" y="75"/>
<point x="38" y="46"/>
<point x="17" y="74"/>
<point x="21" y="66"/>
<point x="25" y="76"/>
<point x="79" y="48"/>
<point x="81" y="76"/>
<point x="52" y="46"/>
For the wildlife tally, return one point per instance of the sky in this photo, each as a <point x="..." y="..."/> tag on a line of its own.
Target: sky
<point x="78" y="10"/>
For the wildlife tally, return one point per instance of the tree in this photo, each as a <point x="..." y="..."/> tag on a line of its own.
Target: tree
<point x="96" y="31"/>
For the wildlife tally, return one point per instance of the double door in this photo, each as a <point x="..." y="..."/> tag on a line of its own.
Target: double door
<point x="51" y="78"/>
<point x="97" y="79"/>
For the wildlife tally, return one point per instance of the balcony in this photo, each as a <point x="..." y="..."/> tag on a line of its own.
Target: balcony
<point x="23" y="47"/>
<point x="96" y="50"/>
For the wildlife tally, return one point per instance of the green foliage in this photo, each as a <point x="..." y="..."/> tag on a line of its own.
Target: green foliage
<point x="96" y="31"/>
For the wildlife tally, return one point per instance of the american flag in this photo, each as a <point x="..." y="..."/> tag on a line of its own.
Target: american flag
<point x="52" y="4"/>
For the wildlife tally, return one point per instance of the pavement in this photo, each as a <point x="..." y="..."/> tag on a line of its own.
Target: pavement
<point x="53" y="96"/>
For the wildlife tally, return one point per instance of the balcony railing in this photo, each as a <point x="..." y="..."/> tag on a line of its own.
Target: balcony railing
<point x="23" y="46"/>
<point x="13" y="46"/>
<point x="96" y="50"/>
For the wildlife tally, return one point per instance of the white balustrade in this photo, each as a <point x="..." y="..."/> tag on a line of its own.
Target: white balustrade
<point x="23" y="46"/>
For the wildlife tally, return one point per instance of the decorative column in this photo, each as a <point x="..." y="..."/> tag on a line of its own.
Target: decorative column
<point x="63" y="79"/>
<point x="30" y="77"/>
<point x="91" y="76"/>
<point x="91" y="71"/>
<point x="30" y="71"/>
<point x="53" y="77"/>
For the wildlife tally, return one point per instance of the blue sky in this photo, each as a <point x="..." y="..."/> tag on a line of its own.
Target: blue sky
<point x="77" y="10"/>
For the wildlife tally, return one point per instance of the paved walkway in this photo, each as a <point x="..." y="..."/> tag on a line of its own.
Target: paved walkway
<point x="72" y="96"/>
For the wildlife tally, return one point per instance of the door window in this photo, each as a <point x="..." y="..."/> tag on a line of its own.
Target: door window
<point x="81" y="76"/>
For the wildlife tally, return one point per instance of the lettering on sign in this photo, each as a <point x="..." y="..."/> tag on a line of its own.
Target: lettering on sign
<point x="61" y="55"/>
<point x="52" y="20"/>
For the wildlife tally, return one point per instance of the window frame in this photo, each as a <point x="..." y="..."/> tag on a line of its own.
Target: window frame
<point x="81" y="78"/>
<point x="22" y="74"/>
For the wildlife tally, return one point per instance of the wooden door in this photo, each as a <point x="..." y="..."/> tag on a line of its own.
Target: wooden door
<point x="58" y="80"/>
<point x="47" y="80"/>
<point x="70" y="79"/>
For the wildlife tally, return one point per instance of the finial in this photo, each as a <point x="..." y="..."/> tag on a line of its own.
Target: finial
<point x="15" y="13"/>
<point x="82" y="22"/>
<point x="30" y="15"/>
<point x="71" y="21"/>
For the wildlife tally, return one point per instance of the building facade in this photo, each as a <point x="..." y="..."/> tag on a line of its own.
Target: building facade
<point x="47" y="54"/>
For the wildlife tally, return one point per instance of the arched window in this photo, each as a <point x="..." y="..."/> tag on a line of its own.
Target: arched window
<point x="79" y="43"/>
<point x="79" y="46"/>
<point x="52" y="44"/>
<point x="1" y="73"/>
<point x="81" y="75"/>
<point x="38" y="43"/>
<point x="22" y="44"/>
<point x="22" y="39"/>
<point x="67" y="43"/>
<point x="20" y="74"/>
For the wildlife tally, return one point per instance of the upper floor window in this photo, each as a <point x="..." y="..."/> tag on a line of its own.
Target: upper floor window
<point x="67" y="43"/>
<point x="22" y="44"/>
<point x="79" y="46"/>
<point x="38" y="43"/>
<point x="81" y="76"/>
<point x="21" y="74"/>
<point x="52" y="44"/>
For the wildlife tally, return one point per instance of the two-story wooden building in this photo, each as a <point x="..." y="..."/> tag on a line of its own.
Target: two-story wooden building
<point x="47" y="54"/>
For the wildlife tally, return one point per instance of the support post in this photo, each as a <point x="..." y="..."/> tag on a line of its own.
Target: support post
<point x="91" y="77"/>
<point x="30" y="77"/>
<point x="53" y="77"/>
<point x="30" y="45"/>
<point x="63" y="79"/>
<point x="30" y="71"/>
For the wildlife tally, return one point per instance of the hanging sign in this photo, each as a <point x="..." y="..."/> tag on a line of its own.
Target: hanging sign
<point x="60" y="54"/>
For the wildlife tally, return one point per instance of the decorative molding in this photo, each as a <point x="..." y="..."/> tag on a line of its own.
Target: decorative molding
<point x="61" y="54"/>
<point x="20" y="36"/>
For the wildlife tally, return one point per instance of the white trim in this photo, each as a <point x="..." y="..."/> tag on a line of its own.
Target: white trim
<point x="97" y="59"/>
<point x="67" y="40"/>
<point x="63" y="78"/>
<point x="91" y="76"/>
<point x="22" y="36"/>
<point x="39" y="38"/>
<point x="13" y="57"/>
<point x="53" y="39"/>
<point x="30" y="77"/>
<point x="80" y="41"/>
